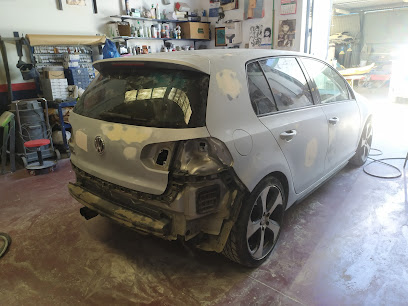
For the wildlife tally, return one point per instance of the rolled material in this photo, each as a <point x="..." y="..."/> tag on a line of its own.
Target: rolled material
<point x="53" y="40"/>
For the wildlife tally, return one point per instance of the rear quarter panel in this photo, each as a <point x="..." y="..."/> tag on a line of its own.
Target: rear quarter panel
<point x="231" y="119"/>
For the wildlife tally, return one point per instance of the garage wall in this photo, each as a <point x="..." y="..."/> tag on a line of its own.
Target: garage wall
<point x="386" y="27"/>
<point x="42" y="17"/>
<point x="266" y="21"/>
<point x="300" y="24"/>
<point x="346" y="23"/>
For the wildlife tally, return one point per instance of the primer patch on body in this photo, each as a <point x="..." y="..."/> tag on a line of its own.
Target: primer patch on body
<point x="81" y="140"/>
<point x="128" y="134"/>
<point x="311" y="153"/>
<point x="228" y="83"/>
<point x="130" y="153"/>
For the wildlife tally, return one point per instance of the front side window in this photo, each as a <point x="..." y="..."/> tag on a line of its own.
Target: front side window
<point x="330" y="85"/>
<point x="287" y="82"/>
<point x="259" y="91"/>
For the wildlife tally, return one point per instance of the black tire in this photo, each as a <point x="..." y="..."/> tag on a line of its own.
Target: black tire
<point x="364" y="145"/>
<point x="246" y="250"/>
<point x="5" y="242"/>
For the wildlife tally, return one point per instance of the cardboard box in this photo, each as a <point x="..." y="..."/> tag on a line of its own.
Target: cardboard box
<point x="54" y="74"/>
<point x="124" y="29"/>
<point x="195" y="30"/>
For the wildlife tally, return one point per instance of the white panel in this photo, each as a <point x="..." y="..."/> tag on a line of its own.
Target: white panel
<point x="321" y="28"/>
<point x="386" y="27"/>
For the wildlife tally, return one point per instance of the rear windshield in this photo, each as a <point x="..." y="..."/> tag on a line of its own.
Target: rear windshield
<point x="137" y="95"/>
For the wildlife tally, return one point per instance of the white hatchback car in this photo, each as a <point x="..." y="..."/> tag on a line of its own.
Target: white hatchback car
<point x="212" y="146"/>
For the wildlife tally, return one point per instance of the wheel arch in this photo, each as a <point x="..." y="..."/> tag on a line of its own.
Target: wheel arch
<point x="284" y="181"/>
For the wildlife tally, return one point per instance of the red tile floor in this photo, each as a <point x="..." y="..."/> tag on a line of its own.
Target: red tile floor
<point x="345" y="244"/>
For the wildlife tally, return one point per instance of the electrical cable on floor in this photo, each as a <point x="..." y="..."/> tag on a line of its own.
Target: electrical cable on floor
<point x="381" y="160"/>
<point x="5" y="241"/>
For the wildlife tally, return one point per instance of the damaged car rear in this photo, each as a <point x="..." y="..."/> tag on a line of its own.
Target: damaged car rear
<point x="212" y="147"/>
<point x="143" y="156"/>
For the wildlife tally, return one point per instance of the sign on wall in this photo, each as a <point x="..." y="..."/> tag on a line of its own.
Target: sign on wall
<point x="220" y="39"/>
<point x="228" y="5"/>
<point x="253" y="9"/>
<point x="76" y="2"/>
<point x="287" y="34"/>
<point x="288" y="7"/>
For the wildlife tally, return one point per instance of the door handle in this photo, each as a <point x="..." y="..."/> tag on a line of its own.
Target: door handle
<point x="288" y="135"/>
<point x="334" y="120"/>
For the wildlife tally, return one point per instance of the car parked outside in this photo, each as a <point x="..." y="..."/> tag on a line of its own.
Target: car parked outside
<point x="212" y="146"/>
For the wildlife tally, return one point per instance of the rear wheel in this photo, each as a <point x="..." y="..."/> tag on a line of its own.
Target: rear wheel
<point x="257" y="229"/>
<point x="364" y="146"/>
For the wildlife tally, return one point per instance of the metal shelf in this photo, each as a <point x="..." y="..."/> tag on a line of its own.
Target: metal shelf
<point x="118" y="38"/>
<point x="125" y="17"/>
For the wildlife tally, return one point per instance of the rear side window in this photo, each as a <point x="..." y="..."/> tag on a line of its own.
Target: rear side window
<point x="259" y="91"/>
<point x="136" y="95"/>
<point x="287" y="82"/>
<point x="331" y="86"/>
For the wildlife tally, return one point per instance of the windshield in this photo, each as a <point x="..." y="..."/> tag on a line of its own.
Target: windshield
<point x="136" y="95"/>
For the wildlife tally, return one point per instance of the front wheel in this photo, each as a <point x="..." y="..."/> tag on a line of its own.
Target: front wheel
<point x="364" y="146"/>
<point x="257" y="229"/>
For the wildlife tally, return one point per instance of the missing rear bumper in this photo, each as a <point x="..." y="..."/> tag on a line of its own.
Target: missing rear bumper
<point x="137" y="221"/>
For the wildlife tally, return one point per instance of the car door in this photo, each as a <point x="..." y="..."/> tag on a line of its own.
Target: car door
<point x="281" y="97"/>
<point x="340" y="108"/>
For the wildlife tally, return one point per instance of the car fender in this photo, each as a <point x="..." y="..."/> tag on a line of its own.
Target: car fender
<point x="365" y="107"/>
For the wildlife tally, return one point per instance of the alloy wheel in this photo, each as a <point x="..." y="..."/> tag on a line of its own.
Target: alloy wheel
<point x="265" y="222"/>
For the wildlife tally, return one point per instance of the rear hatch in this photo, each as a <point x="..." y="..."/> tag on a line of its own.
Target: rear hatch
<point x="127" y="123"/>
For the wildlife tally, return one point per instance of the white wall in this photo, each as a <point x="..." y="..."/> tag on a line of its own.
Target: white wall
<point x="266" y="21"/>
<point x="321" y="28"/>
<point x="43" y="17"/>
<point x="300" y="24"/>
<point x="386" y="27"/>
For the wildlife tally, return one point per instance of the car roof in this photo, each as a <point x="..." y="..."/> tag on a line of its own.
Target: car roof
<point x="201" y="59"/>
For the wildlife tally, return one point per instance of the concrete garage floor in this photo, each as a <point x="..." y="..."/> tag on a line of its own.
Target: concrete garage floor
<point x="347" y="243"/>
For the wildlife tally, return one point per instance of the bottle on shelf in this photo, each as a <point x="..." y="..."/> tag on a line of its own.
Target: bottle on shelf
<point x="133" y="31"/>
<point x="154" y="32"/>
<point x="141" y="34"/>
<point x="127" y="6"/>
<point x="159" y="31"/>
<point x="153" y="12"/>
<point x="158" y="12"/>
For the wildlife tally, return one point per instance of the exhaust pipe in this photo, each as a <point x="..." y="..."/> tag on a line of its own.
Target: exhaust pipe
<point x="88" y="213"/>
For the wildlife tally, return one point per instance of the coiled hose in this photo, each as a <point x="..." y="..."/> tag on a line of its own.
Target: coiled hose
<point x="5" y="241"/>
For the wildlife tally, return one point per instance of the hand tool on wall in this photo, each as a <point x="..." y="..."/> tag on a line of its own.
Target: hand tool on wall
<point x="59" y="5"/>
<point x="95" y="7"/>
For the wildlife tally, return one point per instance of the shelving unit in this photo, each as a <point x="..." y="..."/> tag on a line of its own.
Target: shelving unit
<point x="125" y="17"/>
<point x="126" y="38"/>
<point x="46" y="56"/>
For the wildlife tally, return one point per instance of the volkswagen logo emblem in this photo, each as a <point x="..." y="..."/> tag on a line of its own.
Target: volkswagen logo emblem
<point x="99" y="144"/>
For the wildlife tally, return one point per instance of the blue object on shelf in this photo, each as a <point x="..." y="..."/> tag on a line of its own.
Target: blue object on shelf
<point x="109" y="50"/>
